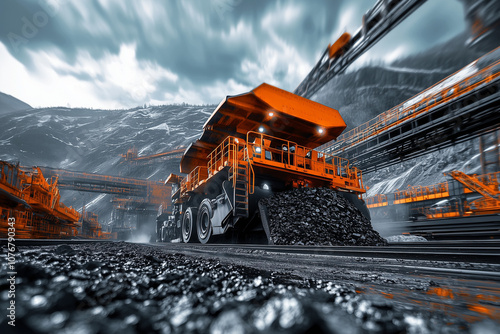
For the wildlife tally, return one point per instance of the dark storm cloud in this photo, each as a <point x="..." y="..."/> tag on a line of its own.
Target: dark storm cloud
<point x="184" y="46"/>
<point x="22" y="30"/>
<point x="203" y="43"/>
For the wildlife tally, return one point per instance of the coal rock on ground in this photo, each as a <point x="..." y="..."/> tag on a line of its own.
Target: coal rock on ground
<point x="405" y="238"/>
<point x="318" y="216"/>
<point x="131" y="288"/>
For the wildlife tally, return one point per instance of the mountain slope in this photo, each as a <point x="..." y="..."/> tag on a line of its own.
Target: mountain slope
<point x="10" y="104"/>
<point x="93" y="141"/>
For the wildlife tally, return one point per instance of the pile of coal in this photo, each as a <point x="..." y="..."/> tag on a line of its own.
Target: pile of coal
<point x="318" y="216"/>
<point x="128" y="288"/>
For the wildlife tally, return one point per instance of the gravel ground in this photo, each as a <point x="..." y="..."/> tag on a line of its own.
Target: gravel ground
<point x="318" y="216"/>
<point x="129" y="288"/>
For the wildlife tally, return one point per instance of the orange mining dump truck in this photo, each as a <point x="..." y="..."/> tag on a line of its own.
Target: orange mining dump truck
<point x="253" y="145"/>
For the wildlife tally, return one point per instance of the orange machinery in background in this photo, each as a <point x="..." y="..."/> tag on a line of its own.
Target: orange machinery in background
<point x="339" y="45"/>
<point x="252" y="145"/>
<point x="35" y="205"/>
<point x="13" y="203"/>
<point x="486" y="185"/>
<point x="91" y="229"/>
<point x="132" y="196"/>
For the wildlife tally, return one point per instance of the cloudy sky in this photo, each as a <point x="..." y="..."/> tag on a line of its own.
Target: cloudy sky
<point x="124" y="53"/>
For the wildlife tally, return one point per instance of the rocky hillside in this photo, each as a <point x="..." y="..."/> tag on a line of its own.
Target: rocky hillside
<point x="93" y="141"/>
<point x="425" y="170"/>
<point x="9" y="104"/>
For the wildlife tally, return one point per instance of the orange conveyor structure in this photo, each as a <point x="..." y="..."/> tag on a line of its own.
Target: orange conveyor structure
<point x="34" y="203"/>
<point x="487" y="185"/>
<point x="132" y="196"/>
<point x="458" y="84"/>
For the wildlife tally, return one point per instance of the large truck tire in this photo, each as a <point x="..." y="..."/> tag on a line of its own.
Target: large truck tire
<point x="188" y="225"/>
<point x="204" y="221"/>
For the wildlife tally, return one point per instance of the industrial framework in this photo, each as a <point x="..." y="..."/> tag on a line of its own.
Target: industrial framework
<point x="464" y="195"/>
<point x="138" y="197"/>
<point x="33" y="203"/>
<point x="132" y="155"/>
<point x="376" y="23"/>
<point x="460" y="107"/>
<point x="483" y="17"/>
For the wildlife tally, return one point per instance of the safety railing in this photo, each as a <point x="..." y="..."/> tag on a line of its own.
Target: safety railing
<point x="231" y="152"/>
<point x="282" y="153"/>
<point x="490" y="181"/>
<point x="251" y="172"/>
<point x="416" y="105"/>
<point x="421" y="193"/>
<point x="226" y="154"/>
<point x="194" y="179"/>
<point x="445" y="211"/>
<point x="376" y="201"/>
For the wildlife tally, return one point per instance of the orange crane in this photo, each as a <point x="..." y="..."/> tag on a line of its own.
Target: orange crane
<point x="252" y="145"/>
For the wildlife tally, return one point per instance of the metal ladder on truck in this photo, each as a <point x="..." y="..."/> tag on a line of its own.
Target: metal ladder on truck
<point x="241" y="174"/>
<point x="240" y="185"/>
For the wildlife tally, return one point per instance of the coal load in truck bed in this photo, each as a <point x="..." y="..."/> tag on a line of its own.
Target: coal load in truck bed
<point x="318" y="216"/>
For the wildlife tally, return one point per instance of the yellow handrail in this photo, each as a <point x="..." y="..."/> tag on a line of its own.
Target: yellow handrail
<point x="251" y="172"/>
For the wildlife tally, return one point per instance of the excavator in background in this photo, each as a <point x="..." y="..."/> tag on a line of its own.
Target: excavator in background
<point x="253" y="145"/>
